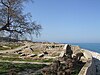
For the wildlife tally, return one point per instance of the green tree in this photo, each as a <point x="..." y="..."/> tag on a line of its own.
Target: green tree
<point x="14" y="22"/>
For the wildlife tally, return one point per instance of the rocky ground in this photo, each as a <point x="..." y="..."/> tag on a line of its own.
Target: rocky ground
<point x="39" y="53"/>
<point x="30" y="53"/>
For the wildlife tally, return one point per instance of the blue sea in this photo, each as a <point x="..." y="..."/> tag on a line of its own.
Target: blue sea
<point x="90" y="46"/>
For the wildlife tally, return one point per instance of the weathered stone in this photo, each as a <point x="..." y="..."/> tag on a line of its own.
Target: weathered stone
<point x="19" y="52"/>
<point x="68" y="72"/>
<point x="27" y="51"/>
<point x="12" y="72"/>
<point x="68" y="52"/>
<point x="60" y="73"/>
<point x="45" y="52"/>
<point x="46" y="71"/>
<point x="69" y="63"/>
<point x="31" y="55"/>
<point x="23" y="55"/>
<point x="62" y="54"/>
<point x="6" y="47"/>
<point x="31" y="49"/>
<point x="75" y="49"/>
<point x="41" y="55"/>
<point x="77" y="56"/>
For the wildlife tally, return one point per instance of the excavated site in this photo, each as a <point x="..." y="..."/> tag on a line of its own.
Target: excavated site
<point x="44" y="58"/>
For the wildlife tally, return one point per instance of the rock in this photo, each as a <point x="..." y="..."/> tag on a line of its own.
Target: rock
<point x="69" y="63"/>
<point x="41" y="55"/>
<point x="65" y="46"/>
<point x="55" y="66"/>
<point x="67" y="50"/>
<point x="45" y="52"/>
<point x="19" y="52"/>
<point x="46" y="71"/>
<point x="6" y="52"/>
<point x="6" y="47"/>
<point x="60" y="73"/>
<point x="68" y="72"/>
<point x="62" y="54"/>
<point x="31" y="55"/>
<point x="12" y="72"/>
<point x="75" y="49"/>
<point x="77" y="56"/>
<point x="31" y="49"/>
<point x="27" y="51"/>
<point x="23" y="55"/>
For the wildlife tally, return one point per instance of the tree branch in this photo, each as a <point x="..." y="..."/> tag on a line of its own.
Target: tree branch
<point x="14" y="31"/>
<point x="4" y="3"/>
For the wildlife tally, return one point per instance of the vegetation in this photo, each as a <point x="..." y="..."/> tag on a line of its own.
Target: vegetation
<point x="2" y="48"/>
<point x="5" y="67"/>
<point x="27" y="59"/>
<point x="13" y="22"/>
<point x="9" y="46"/>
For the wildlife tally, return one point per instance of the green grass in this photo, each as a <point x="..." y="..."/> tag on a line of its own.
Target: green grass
<point x="13" y="45"/>
<point x="2" y="48"/>
<point x="47" y="60"/>
<point x="5" y="67"/>
<point x="9" y="55"/>
<point x="27" y="59"/>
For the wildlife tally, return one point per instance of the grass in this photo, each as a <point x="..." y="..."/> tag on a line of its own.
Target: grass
<point x="2" y="48"/>
<point x="46" y="60"/>
<point x="10" y="46"/>
<point x="9" y="55"/>
<point x="18" y="67"/>
<point x="27" y="59"/>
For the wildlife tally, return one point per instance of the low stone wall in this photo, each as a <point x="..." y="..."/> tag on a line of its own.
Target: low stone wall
<point x="89" y="67"/>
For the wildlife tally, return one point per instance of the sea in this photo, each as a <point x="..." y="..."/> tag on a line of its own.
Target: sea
<point x="89" y="46"/>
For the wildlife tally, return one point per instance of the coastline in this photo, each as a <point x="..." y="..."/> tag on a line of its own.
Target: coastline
<point x="95" y="47"/>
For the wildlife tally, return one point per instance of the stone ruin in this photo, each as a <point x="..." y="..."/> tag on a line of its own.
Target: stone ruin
<point x="64" y="65"/>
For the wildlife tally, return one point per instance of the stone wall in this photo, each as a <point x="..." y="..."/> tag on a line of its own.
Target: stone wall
<point x="89" y="67"/>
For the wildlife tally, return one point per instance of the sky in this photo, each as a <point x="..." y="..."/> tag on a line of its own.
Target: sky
<point x="67" y="21"/>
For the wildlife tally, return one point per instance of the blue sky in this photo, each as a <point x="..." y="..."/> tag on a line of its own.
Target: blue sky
<point x="67" y="20"/>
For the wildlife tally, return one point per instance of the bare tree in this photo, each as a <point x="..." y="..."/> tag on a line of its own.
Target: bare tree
<point x="13" y="20"/>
